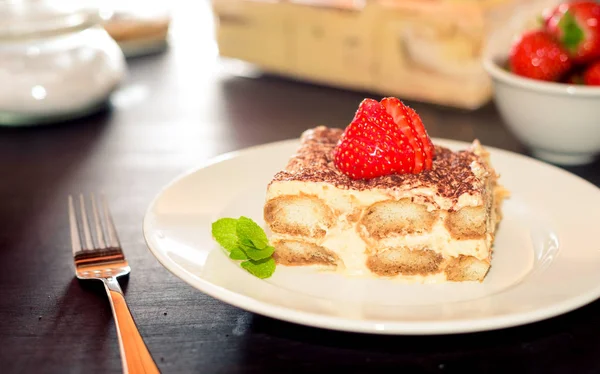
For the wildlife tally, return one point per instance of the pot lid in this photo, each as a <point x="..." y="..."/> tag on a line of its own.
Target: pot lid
<point x="35" y="18"/>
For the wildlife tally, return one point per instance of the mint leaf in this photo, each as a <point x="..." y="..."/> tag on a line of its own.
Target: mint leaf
<point x="260" y="254"/>
<point x="249" y="232"/>
<point x="246" y="241"/>
<point x="257" y="254"/>
<point x="224" y="231"/>
<point x="238" y="254"/>
<point x="247" y="248"/>
<point x="572" y="34"/>
<point x="261" y="269"/>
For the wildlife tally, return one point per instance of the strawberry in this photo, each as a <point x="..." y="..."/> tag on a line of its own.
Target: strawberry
<point x="423" y="136"/>
<point x="406" y="116"/>
<point x="591" y="76"/>
<point x="576" y="25"/>
<point x="537" y="55"/>
<point x="573" y="77"/>
<point x="372" y="145"/>
<point x="402" y="119"/>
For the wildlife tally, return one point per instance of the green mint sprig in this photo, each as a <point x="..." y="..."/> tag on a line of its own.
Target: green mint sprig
<point x="246" y="241"/>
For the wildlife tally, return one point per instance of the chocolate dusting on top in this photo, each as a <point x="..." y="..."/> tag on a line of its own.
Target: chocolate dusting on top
<point x="451" y="174"/>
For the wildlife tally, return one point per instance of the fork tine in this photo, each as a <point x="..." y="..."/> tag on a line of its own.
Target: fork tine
<point x="86" y="226"/>
<point x="113" y="240"/>
<point x="99" y="232"/>
<point x="75" y="240"/>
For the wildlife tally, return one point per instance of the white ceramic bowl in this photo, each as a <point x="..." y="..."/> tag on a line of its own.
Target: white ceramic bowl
<point x="559" y="123"/>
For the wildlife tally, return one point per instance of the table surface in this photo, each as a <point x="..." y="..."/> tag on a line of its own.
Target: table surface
<point x="176" y="110"/>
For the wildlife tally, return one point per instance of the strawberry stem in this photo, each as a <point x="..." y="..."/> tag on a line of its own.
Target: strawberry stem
<point x="572" y="34"/>
<point x="541" y="21"/>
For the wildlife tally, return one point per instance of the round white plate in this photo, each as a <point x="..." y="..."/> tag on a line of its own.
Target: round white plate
<point x="546" y="260"/>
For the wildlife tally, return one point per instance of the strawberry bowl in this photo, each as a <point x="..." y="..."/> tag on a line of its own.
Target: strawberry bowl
<point x="558" y="121"/>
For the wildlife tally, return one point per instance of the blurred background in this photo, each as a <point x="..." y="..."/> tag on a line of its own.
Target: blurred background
<point x="56" y="62"/>
<point x="418" y="49"/>
<point x="63" y="60"/>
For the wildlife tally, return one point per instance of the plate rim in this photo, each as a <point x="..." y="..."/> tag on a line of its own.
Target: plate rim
<point x="382" y="327"/>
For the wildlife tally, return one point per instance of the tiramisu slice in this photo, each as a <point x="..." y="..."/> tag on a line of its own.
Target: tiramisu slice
<point x="434" y="225"/>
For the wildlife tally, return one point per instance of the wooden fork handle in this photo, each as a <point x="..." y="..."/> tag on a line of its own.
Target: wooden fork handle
<point x="134" y="353"/>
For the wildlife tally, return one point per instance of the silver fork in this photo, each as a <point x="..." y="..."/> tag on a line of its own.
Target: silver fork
<point x="104" y="260"/>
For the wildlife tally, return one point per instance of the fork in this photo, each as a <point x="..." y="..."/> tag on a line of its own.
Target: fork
<point x="103" y="259"/>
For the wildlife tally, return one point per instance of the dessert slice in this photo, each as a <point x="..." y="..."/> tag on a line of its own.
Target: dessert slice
<point x="434" y="225"/>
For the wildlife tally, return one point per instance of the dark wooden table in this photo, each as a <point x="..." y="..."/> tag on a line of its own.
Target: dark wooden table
<point x="174" y="111"/>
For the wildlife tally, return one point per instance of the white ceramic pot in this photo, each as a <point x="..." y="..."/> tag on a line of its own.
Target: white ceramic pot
<point x="559" y="123"/>
<point x="56" y="62"/>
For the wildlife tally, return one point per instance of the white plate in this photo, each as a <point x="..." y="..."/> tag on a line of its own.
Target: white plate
<point x="546" y="260"/>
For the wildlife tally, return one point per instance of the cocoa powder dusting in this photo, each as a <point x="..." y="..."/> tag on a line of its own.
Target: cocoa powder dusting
<point x="451" y="175"/>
